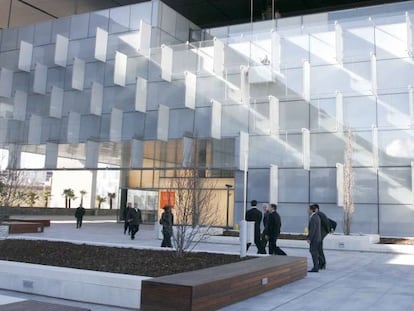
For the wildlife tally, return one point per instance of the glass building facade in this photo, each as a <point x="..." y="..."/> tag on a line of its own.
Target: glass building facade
<point x="120" y="95"/>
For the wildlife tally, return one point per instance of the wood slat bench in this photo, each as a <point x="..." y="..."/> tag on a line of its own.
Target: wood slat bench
<point x="23" y="227"/>
<point x="43" y="222"/>
<point x="31" y="305"/>
<point x="211" y="288"/>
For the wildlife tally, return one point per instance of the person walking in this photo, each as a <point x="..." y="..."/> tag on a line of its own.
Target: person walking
<point x="79" y="213"/>
<point x="325" y="230"/>
<point x="272" y="230"/>
<point x="126" y="221"/>
<point x="134" y="219"/>
<point x="314" y="236"/>
<point x="253" y="214"/>
<point x="266" y="212"/>
<point x="167" y="222"/>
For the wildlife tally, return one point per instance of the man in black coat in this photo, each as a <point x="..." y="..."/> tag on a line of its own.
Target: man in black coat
<point x="134" y="219"/>
<point x="253" y="214"/>
<point x="325" y="229"/>
<point x="126" y="221"/>
<point x="272" y="230"/>
<point x="80" y="211"/>
<point x="314" y="236"/>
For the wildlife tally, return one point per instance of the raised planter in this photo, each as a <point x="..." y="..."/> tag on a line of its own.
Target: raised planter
<point x="105" y="288"/>
<point x="354" y="242"/>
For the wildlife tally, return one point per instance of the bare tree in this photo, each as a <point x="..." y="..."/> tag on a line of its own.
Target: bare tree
<point x="348" y="184"/>
<point x="11" y="183"/>
<point x="194" y="212"/>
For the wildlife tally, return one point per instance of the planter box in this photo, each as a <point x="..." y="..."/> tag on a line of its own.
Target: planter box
<point x="360" y="242"/>
<point x="105" y="288"/>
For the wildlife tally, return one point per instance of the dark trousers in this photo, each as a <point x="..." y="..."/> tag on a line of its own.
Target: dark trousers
<point x="272" y="245"/>
<point x="166" y="241"/>
<point x="134" y="230"/>
<point x="79" y="222"/>
<point x="322" y="260"/>
<point x="314" y="250"/>
<point x="127" y="227"/>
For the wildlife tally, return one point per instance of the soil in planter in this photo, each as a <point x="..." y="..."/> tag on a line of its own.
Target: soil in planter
<point x="109" y="259"/>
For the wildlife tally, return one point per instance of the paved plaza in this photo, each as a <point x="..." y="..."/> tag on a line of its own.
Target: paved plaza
<point x="352" y="281"/>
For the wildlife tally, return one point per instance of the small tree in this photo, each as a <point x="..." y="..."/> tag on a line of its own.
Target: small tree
<point x="111" y="196"/>
<point x="100" y="200"/>
<point x="46" y="195"/>
<point x="82" y="194"/>
<point x="194" y="214"/>
<point x="31" y="198"/>
<point x="348" y="184"/>
<point x="69" y="195"/>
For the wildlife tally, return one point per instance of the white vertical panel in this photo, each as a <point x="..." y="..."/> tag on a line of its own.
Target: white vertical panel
<point x="96" y="98"/>
<point x="218" y="59"/>
<point x="3" y="130"/>
<point x="276" y="50"/>
<point x="101" y="44"/>
<point x="215" y="119"/>
<point x="40" y="79"/>
<point x="120" y="68"/>
<point x="56" y="102"/>
<point x="242" y="152"/>
<point x="20" y="104"/>
<point x="92" y="154"/>
<point x="137" y="153"/>
<point x="306" y="80"/>
<point x="374" y="85"/>
<point x="374" y="146"/>
<point x="35" y="130"/>
<point x="61" y="50"/>
<point x="274" y="184"/>
<point x="73" y="127"/>
<point x="78" y="74"/>
<point x="167" y="55"/>
<point x="52" y="150"/>
<point x="141" y="95"/>
<point x="306" y="148"/>
<point x="244" y="85"/>
<point x="115" y="132"/>
<point x="410" y="34"/>
<point x="163" y="122"/>
<point x="339" y="43"/>
<point x="340" y="184"/>
<point x="190" y="89"/>
<point x="411" y="104"/>
<point x="188" y="144"/>
<point x="6" y="81"/>
<point x="274" y="115"/>
<point x="144" y="38"/>
<point x="14" y="156"/>
<point x="339" y="102"/>
<point x="412" y="182"/>
<point x="25" y="56"/>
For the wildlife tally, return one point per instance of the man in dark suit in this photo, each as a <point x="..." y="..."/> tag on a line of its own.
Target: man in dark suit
<point x="134" y="219"/>
<point x="314" y="236"/>
<point x="325" y="229"/>
<point x="272" y="230"/>
<point x="253" y="214"/>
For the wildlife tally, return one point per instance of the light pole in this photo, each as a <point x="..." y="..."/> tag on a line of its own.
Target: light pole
<point x="228" y="202"/>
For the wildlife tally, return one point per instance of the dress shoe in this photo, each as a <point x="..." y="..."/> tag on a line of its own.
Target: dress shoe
<point x="313" y="270"/>
<point x="322" y="267"/>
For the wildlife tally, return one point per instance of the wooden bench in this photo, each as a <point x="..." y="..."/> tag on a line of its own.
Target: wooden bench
<point x="23" y="227"/>
<point x="31" y="305"/>
<point x="212" y="288"/>
<point x="43" y="222"/>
